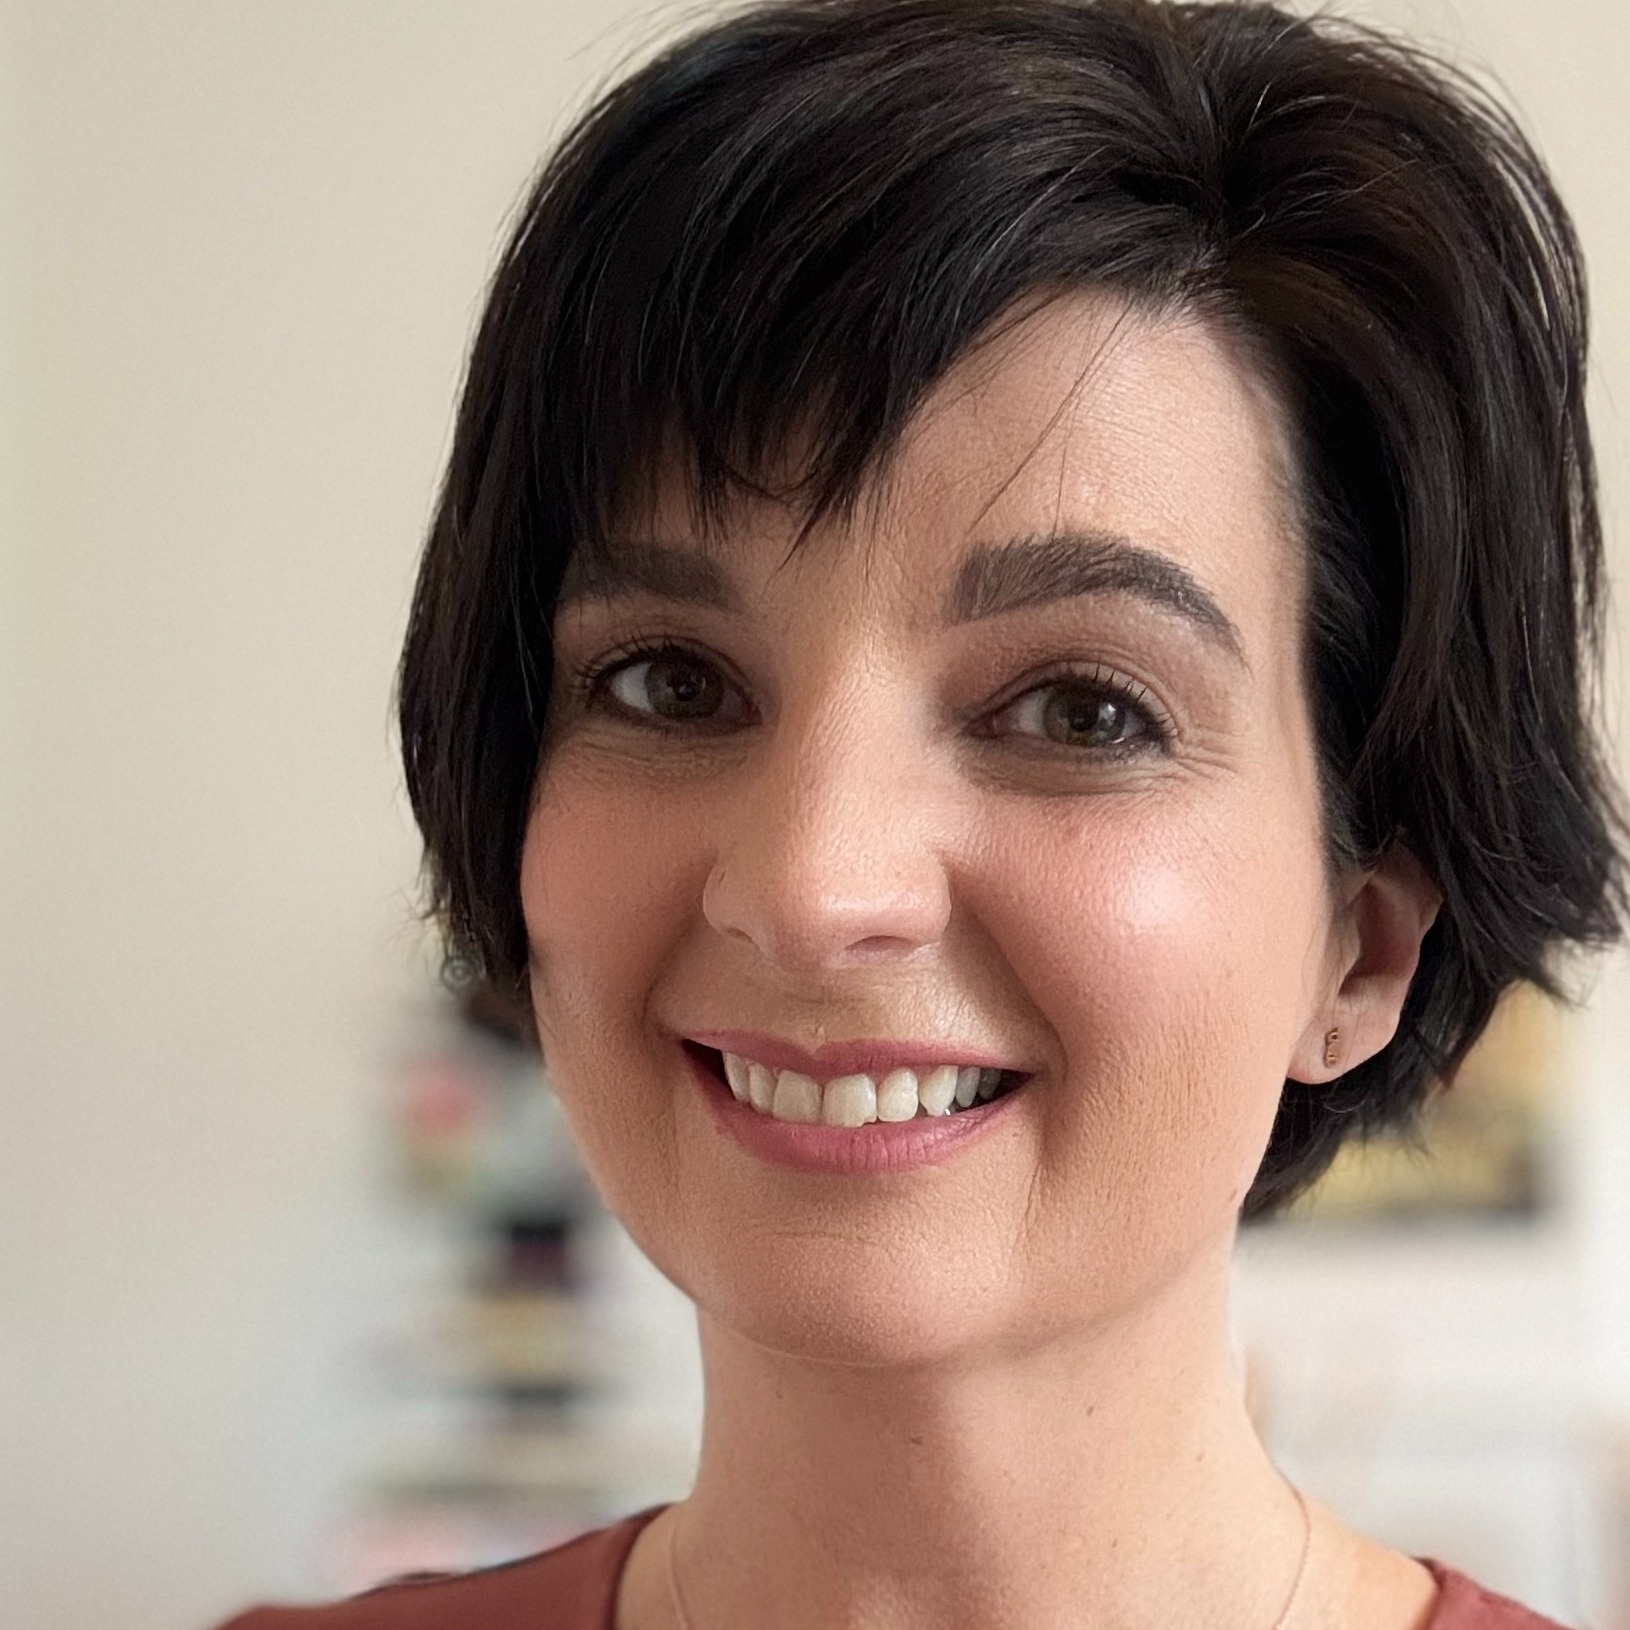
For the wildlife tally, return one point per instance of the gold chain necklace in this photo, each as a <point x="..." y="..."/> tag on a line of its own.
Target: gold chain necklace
<point x="1301" y="1566"/>
<point x="1278" y="1624"/>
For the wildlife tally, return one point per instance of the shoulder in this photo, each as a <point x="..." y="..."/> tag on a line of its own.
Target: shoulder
<point x="571" y="1587"/>
<point x="1464" y="1605"/>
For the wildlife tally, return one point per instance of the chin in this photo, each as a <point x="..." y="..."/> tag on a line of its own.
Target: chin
<point x="840" y="1300"/>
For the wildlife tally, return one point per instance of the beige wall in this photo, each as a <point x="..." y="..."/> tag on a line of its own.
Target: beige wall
<point x="243" y="243"/>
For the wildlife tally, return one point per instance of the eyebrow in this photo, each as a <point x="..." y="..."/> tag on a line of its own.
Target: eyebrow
<point x="1002" y="577"/>
<point x="992" y="579"/>
<point x="656" y="569"/>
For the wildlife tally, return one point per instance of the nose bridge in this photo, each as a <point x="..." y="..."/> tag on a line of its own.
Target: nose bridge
<point x="833" y="853"/>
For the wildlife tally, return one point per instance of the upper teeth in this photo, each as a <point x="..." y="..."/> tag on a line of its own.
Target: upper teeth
<point x="856" y="1100"/>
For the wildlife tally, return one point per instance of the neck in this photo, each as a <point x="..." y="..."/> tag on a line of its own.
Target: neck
<point x="1106" y="1478"/>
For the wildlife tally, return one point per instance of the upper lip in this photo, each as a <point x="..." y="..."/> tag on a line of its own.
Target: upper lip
<point x="864" y="1056"/>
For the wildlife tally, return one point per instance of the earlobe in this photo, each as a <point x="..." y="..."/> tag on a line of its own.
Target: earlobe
<point x="1386" y="913"/>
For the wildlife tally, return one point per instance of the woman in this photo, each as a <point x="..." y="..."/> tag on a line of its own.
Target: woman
<point x="1001" y="660"/>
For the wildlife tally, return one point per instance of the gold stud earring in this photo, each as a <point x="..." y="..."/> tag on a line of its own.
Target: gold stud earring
<point x="1332" y="1043"/>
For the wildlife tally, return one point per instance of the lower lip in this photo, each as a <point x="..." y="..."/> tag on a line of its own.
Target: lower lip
<point x="879" y="1147"/>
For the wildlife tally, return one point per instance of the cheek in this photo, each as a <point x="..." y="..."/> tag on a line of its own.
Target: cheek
<point x="608" y="872"/>
<point x="608" y="881"/>
<point x="1170" y="961"/>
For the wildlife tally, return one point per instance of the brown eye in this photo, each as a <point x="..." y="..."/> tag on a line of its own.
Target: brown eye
<point x="671" y="685"/>
<point x="1079" y="718"/>
<point x="1074" y="714"/>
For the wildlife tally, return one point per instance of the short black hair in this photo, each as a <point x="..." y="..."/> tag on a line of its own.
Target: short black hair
<point x="791" y="223"/>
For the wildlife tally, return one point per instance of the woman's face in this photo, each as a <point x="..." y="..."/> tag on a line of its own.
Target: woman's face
<point x="1014" y="767"/>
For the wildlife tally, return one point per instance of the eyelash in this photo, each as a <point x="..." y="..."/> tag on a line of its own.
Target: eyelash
<point x="591" y="680"/>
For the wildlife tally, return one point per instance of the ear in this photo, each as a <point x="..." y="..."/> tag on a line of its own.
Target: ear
<point x="1376" y="947"/>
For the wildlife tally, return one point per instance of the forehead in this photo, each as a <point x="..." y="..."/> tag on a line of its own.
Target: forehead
<point x="1085" y="420"/>
<point x="1089" y="416"/>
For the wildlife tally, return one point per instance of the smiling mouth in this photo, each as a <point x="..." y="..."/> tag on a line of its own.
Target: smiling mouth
<point x="929" y="1091"/>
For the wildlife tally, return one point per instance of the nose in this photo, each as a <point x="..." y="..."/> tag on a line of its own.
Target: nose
<point x="832" y="850"/>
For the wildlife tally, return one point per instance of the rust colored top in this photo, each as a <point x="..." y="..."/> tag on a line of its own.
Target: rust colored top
<point x="574" y="1587"/>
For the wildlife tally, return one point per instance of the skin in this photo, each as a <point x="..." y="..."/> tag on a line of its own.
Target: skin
<point x="996" y="1392"/>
